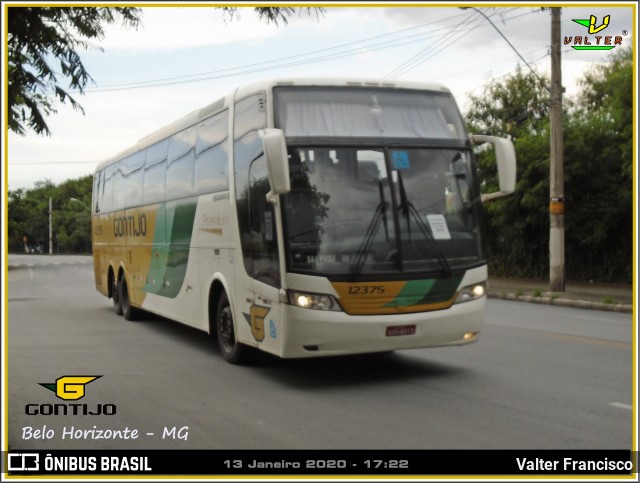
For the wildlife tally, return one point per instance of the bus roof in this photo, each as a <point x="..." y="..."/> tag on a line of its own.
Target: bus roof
<point x="202" y="113"/>
<point x="337" y="82"/>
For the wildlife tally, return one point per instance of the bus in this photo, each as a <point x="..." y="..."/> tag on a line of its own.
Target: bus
<point x="304" y="218"/>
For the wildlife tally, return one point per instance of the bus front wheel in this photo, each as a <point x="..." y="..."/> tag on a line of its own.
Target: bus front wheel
<point x="232" y="350"/>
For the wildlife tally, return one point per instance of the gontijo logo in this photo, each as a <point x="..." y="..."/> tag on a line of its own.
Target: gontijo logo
<point x="70" y="388"/>
<point x="598" y="42"/>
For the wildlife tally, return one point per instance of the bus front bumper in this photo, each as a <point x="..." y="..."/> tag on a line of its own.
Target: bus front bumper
<point x="314" y="333"/>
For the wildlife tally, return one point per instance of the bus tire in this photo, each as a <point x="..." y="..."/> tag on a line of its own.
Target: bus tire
<point x="232" y="351"/>
<point x="115" y="295"/>
<point x="128" y="312"/>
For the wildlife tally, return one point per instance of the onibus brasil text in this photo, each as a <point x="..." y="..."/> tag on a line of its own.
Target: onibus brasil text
<point x="94" y="463"/>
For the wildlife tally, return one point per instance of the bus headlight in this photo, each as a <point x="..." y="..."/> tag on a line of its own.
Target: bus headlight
<point x="471" y="292"/>
<point x="313" y="301"/>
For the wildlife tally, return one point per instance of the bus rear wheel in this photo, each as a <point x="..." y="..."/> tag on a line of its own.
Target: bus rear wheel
<point x="232" y="350"/>
<point x="128" y="312"/>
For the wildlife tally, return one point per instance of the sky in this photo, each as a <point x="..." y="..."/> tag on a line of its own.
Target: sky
<point x="182" y="58"/>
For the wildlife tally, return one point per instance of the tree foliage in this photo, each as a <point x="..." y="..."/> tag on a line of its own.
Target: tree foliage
<point x="599" y="172"/>
<point x="43" y="46"/>
<point x="516" y="107"/>
<point x="28" y="220"/>
<point x="273" y="15"/>
<point x="598" y="136"/>
<point x="608" y="94"/>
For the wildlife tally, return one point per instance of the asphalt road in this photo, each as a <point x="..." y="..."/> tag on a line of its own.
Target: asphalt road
<point x="540" y="377"/>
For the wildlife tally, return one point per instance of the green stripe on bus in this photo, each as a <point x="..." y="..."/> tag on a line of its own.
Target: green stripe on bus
<point x="428" y="291"/>
<point x="170" y="251"/>
<point x="443" y="290"/>
<point x="412" y="293"/>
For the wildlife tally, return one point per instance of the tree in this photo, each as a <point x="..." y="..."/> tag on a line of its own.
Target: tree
<point x="517" y="226"/>
<point x="43" y="50"/>
<point x="28" y="212"/>
<point x="42" y="45"/>
<point x="598" y="137"/>
<point x="599" y="147"/>
<point x="270" y="14"/>
<point x="607" y="92"/>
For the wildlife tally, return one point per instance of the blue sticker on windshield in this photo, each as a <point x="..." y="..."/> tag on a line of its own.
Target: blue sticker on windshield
<point x="400" y="160"/>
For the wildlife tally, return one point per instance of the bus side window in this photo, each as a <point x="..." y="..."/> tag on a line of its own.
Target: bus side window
<point x="133" y="171"/>
<point x="264" y="248"/>
<point x="180" y="162"/>
<point x="118" y="186"/>
<point x="97" y="185"/>
<point x="107" y="190"/>
<point x="155" y="172"/>
<point x="211" y="170"/>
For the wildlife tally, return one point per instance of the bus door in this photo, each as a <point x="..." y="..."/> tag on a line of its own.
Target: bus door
<point x="260" y="305"/>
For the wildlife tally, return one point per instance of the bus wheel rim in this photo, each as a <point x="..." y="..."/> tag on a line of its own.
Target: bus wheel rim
<point x="226" y="328"/>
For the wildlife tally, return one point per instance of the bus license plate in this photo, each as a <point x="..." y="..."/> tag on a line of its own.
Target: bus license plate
<point x="401" y="330"/>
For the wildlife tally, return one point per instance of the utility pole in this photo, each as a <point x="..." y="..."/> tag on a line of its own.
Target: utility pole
<point x="556" y="188"/>
<point x="50" y="229"/>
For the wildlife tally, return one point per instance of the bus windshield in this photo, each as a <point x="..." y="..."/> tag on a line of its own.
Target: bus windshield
<point x="370" y="210"/>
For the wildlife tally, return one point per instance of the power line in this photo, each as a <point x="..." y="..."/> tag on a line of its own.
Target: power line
<point x="510" y="44"/>
<point x="253" y="65"/>
<point x="304" y="58"/>
<point x="461" y="29"/>
<point x="475" y="69"/>
<point x="423" y="55"/>
<point x="288" y="61"/>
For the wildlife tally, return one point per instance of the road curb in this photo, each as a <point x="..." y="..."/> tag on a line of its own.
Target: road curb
<point x="580" y="304"/>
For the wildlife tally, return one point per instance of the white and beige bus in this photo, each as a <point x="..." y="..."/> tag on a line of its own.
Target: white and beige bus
<point x="303" y="218"/>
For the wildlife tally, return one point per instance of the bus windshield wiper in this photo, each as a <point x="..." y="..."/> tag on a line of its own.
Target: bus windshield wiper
<point x="408" y="210"/>
<point x="379" y="215"/>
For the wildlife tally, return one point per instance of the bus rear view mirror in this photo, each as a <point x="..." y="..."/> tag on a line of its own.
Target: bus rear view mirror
<point x="275" y="151"/>
<point x="506" y="162"/>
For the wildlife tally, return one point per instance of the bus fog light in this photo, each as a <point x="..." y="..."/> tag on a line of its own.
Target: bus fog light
<point x="313" y="301"/>
<point x="471" y="292"/>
